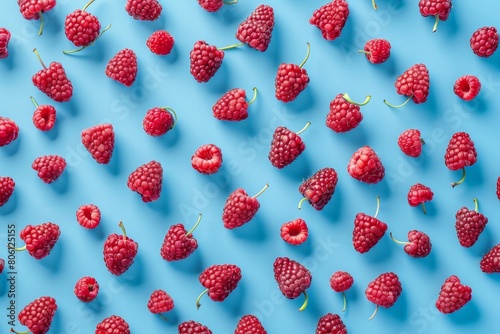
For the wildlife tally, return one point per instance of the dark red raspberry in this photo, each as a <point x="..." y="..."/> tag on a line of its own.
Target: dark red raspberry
<point x="193" y="327"/>
<point x="367" y="231"/>
<point x="4" y="42"/>
<point x="160" y="302"/>
<point x="377" y="50"/>
<point x="344" y="113"/>
<point x="319" y="188"/>
<point x="366" y="166"/>
<point x="460" y="153"/>
<point x="467" y="87"/>
<point x="257" y="29"/>
<point x="99" y="140"/>
<point x="7" y="186"/>
<point x="2" y="265"/>
<point x="205" y="60"/>
<point x="498" y="187"/>
<point x="9" y="131"/>
<point x="233" y="106"/>
<point x="484" y="41"/>
<point x="410" y="142"/>
<point x="440" y="9"/>
<point x="53" y="81"/>
<point x="159" y="120"/>
<point x="207" y="159"/>
<point x="291" y="80"/>
<point x="86" y="289"/>
<point x="179" y="243"/>
<point x="384" y="290"/>
<point x="38" y="315"/>
<point x="453" y="295"/>
<point x="146" y="180"/>
<point x="49" y="167"/>
<point x="219" y="280"/>
<point x="144" y="10"/>
<point x="341" y="281"/>
<point x="469" y="225"/>
<point x="112" y="325"/>
<point x="418" y="244"/>
<point x="294" y="232"/>
<point x="34" y="9"/>
<point x="419" y="194"/>
<point x="40" y="239"/>
<point x="293" y="278"/>
<point x="44" y="116"/>
<point x="331" y="18"/>
<point x="330" y="324"/>
<point x="249" y="324"/>
<point x="490" y="262"/>
<point x="414" y="83"/>
<point x="160" y="42"/>
<point x="123" y="67"/>
<point x="211" y="6"/>
<point x="88" y="216"/>
<point x="119" y="252"/>
<point x="240" y="208"/>
<point x="286" y="146"/>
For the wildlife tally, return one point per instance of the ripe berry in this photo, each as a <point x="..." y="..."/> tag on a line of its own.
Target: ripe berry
<point x="122" y="67"/>
<point x="193" y="327"/>
<point x="7" y="186"/>
<point x="34" y="9"/>
<point x="490" y="262"/>
<point x="330" y="324"/>
<point x="498" y="188"/>
<point x="112" y="325"/>
<point x="9" y="131"/>
<point x="207" y="159"/>
<point x="440" y="9"/>
<point x="286" y="146"/>
<point x="341" y="281"/>
<point x="86" y="289"/>
<point x="179" y="243"/>
<point x="2" y="265"/>
<point x="467" y="87"/>
<point x="219" y="280"/>
<point x="384" y="291"/>
<point x="38" y="315"/>
<point x="367" y="231"/>
<point x="469" y="225"/>
<point x="419" y="194"/>
<point x="159" y="120"/>
<point x="344" y="113"/>
<point x="88" y="216"/>
<point x="145" y="10"/>
<point x="160" y="42"/>
<point x="319" y="188"/>
<point x="291" y="80"/>
<point x="119" y="252"/>
<point x="205" y="60"/>
<point x="146" y="180"/>
<point x="160" y="302"/>
<point x="39" y="239"/>
<point x="293" y="279"/>
<point x="484" y="41"/>
<point x="53" y="81"/>
<point x="377" y="50"/>
<point x="294" y="232"/>
<point x="240" y="208"/>
<point x="44" y="117"/>
<point x="366" y="166"/>
<point x="249" y="324"/>
<point x="212" y="6"/>
<point x="418" y="245"/>
<point x="414" y="83"/>
<point x="233" y="106"/>
<point x="99" y="140"/>
<point x="410" y="142"/>
<point x="460" y="153"/>
<point x="453" y="295"/>
<point x="256" y="30"/>
<point x="49" y="167"/>
<point x="4" y="42"/>
<point x="331" y="18"/>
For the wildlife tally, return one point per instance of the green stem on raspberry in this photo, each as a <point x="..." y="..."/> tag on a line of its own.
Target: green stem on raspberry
<point x="232" y="46"/>
<point x="17" y="249"/>
<point x="423" y="208"/>
<point x="365" y="52"/>
<point x="174" y="113"/>
<point x="199" y="297"/>
<point x="303" y="129"/>
<point x="39" y="58"/>
<point x="435" y="23"/>
<point x="40" y="31"/>
<point x="476" y="205"/>
<point x="162" y="317"/>
<point x="378" y="206"/>
<point x="454" y="184"/>
<point x="345" y="301"/>
<point x="230" y="2"/>
<point x="374" y="312"/>
<point x="87" y="5"/>
<point x="13" y="331"/>
<point x="374" y="5"/>
<point x="307" y="55"/>
<point x="397" y="241"/>
<point x="302" y="201"/>
<point x="348" y="99"/>
<point x="67" y="52"/>
<point x="122" y="227"/>
<point x="306" y="301"/>
<point x="254" y="96"/>
<point x="195" y="226"/>
<point x="261" y="191"/>
<point x="401" y="105"/>
<point x="34" y="102"/>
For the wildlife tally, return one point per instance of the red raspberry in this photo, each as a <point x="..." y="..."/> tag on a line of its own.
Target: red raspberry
<point x="414" y="83"/>
<point x="38" y="315"/>
<point x="160" y="42"/>
<point x="484" y="41"/>
<point x="193" y="327"/>
<point x="99" y="140"/>
<point x="257" y="29"/>
<point x="81" y="27"/>
<point x="146" y="180"/>
<point x="367" y="231"/>
<point x="219" y="280"/>
<point x="9" y="131"/>
<point x="179" y="243"/>
<point x="419" y="194"/>
<point x="291" y="80"/>
<point x="40" y="239"/>
<point x="88" y="216"/>
<point x="4" y="42"/>
<point x="377" y="50"/>
<point x="490" y="263"/>
<point x="86" y="289"/>
<point x="453" y="295"/>
<point x="159" y="120"/>
<point x="410" y="142"/>
<point x="330" y="324"/>
<point x="384" y="290"/>
<point x="294" y="232"/>
<point x="467" y="87"/>
<point x="2" y="265"/>
<point x="119" y="252"/>
<point x="341" y="281"/>
<point x="49" y="167"/>
<point x="438" y="8"/>
<point x="469" y="225"/>
<point x="249" y="324"/>
<point x="53" y="81"/>
<point x="366" y="166"/>
<point x="160" y="302"/>
<point x="207" y="159"/>
<point x="498" y="187"/>
<point x="331" y="18"/>
<point x="205" y="60"/>
<point x="240" y="208"/>
<point x="145" y="10"/>
<point x="460" y="153"/>
<point x="34" y="9"/>
<point x="112" y="325"/>
<point x="7" y="186"/>
<point x="319" y="188"/>
<point x="286" y="146"/>
<point x="211" y="6"/>
<point x="293" y="278"/>
<point x="418" y="245"/>
<point x="44" y="117"/>
<point x="232" y="106"/>
<point x="344" y="113"/>
<point x="123" y="67"/>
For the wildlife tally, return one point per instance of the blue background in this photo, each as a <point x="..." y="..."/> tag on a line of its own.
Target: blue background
<point x="334" y="67"/>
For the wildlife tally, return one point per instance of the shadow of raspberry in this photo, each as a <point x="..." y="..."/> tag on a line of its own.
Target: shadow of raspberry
<point x="54" y="261"/>
<point x="12" y="148"/>
<point x="114" y="167"/>
<point x="172" y="318"/>
<point x="193" y="264"/>
<point x="469" y="314"/>
<point x="61" y="185"/>
<point x="253" y="231"/>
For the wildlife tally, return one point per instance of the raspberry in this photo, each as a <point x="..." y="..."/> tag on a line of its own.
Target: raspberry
<point x="144" y="10"/>
<point x="294" y="232"/>
<point x="330" y="324"/>
<point x="179" y="243"/>
<point x="112" y="325"/>
<point x="377" y="50"/>
<point x="453" y="295"/>
<point x="460" y="153"/>
<point x="160" y="302"/>
<point x="44" y="116"/>
<point x="123" y="67"/>
<point x="205" y="60"/>
<point x="419" y="194"/>
<point x="467" y="87"/>
<point x="331" y="18"/>
<point x="211" y="6"/>
<point x="7" y="186"/>
<point x="160" y="42"/>
<point x="367" y="231"/>
<point x="293" y="278"/>
<point x="9" y="131"/>
<point x="159" y="120"/>
<point x="291" y="80"/>
<point x="341" y="281"/>
<point x="498" y="188"/>
<point x="99" y="140"/>
<point x="418" y="245"/>
<point x="257" y="29"/>
<point x="469" y="225"/>
<point x="53" y="81"/>
<point x="88" y="216"/>
<point x="38" y="315"/>
<point x="384" y="290"/>
<point x="2" y="265"/>
<point x="40" y="239"/>
<point x="219" y="280"/>
<point x="366" y="166"/>
<point x="240" y="208"/>
<point x="490" y="263"/>
<point x="484" y="41"/>
<point x="232" y="106"/>
<point x="34" y="9"/>
<point x="438" y="8"/>
<point x="146" y="180"/>
<point x="86" y="289"/>
<point x="4" y="42"/>
<point x="193" y="327"/>
<point x="286" y="146"/>
<point x="319" y="188"/>
<point x="344" y="113"/>
<point x="414" y="83"/>
<point x="249" y="324"/>
<point x="410" y="142"/>
<point x="119" y="252"/>
<point x="49" y="167"/>
<point x="207" y="159"/>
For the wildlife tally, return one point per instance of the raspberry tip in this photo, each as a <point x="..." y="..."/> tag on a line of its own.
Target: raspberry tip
<point x="348" y="99"/>
<point x="39" y="58"/>
<point x="195" y="226"/>
<point x="254" y="96"/>
<point x="67" y="52"/>
<point x="454" y="184"/>
<point x="374" y="313"/>
<point x="374" y="5"/>
<point x="306" y="301"/>
<point x="261" y="191"/>
<point x="397" y="241"/>
<point x="302" y="201"/>
<point x="87" y="5"/>
<point x="199" y="297"/>
<point x="401" y="105"/>
<point x="434" y="28"/>
<point x="303" y="129"/>
<point x="307" y="55"/>
<point x="232" y="46"/>
<point x="378" y="207"/>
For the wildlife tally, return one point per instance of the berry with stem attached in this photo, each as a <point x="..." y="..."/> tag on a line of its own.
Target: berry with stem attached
<point x="34" y="10"/>
<point x="377" y="50"/>
<point x="319" y="188"/>
<point x="418" y="244"/>
<point x="240" y="208"/>
<point x="341" y="281"/>
<point x="39" y="239"/>
<point x="419" y="194"/>
<point x="469" y="224"/>
<point x="212" y="6"/>
<point x="368" y="230"/>
<point x="345" y="113"/>
<point x="293" y="279"/>
<point x="205" y="60"/>
<point x="440" y="9"/>
<point x="233" y="106"/>
<point x="219" y="280"/>
<point x="159" y="120"/>
<point x="384" y="291"/>
<point x="53" y="81"/>
<point x="179" y="243"/>
<point x="119" y="252"/>
<point x="44" y="116"/>
<point x="291" y="79"/>
<point x="413" y="83"/>
<point x="37" y="315"/>
<point x="460" y="153"/>
<point x="286" y="146"/>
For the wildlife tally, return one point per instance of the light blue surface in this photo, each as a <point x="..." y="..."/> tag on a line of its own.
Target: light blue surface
<point x="333" y="67"/>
